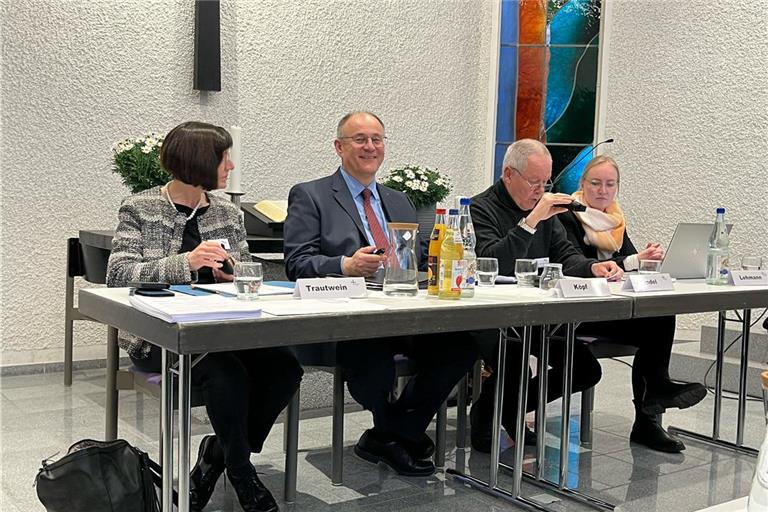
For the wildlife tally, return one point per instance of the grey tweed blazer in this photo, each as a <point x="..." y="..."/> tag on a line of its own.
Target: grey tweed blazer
<point x="148" y="239"/>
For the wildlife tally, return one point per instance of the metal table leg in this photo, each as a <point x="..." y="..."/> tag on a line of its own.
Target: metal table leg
<point x="69" y="301"/>
<point x="291" y="426"/>
<point x="491" y="487"/>
<point x="541" y="411"/>
<point x="714" y="439"/>
<point x="185" y="420"/>
<point x="113" y="352"/>
<point x="561" y="488"/>
<point x="166" y="429"/>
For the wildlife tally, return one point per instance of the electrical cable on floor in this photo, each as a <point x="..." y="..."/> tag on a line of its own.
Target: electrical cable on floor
<point x="706" y="374"/>
<point x="737" y="338"/>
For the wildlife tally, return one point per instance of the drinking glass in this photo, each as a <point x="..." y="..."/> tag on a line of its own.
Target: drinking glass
<point x="649" y="266"/>
<point x="248" y="277"/>
<point x="751" y="263"/>
<point x="525" y="272"/>
<point x="552" y="273"/>
<point x="487" y="271"/>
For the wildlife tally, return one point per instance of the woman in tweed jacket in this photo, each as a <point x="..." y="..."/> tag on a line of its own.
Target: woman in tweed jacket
<point x="174" y="234"/>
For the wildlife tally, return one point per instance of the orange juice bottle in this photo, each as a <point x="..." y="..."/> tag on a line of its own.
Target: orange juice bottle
<point x="451" y="259"/>
<point x="435" y="242"/>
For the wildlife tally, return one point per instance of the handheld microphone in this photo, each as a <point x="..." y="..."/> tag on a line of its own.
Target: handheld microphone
<point x="562" y="173"/>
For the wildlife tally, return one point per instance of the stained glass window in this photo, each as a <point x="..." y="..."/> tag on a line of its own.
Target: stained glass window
<point x="548" y="61"/>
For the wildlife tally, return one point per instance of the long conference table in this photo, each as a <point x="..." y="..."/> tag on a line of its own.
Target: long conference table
<point x="500" y="308"/>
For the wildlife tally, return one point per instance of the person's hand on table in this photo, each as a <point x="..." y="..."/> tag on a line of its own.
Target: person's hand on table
<point x="607" y="269"/>
<point x="363" y="263"/>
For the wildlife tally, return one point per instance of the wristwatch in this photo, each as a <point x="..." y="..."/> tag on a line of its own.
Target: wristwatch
<point x="526" y="227"/>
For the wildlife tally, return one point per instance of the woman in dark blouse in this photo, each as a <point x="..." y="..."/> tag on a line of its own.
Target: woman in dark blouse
<point x="180" y="233"/>
<point x="600" y="232"/>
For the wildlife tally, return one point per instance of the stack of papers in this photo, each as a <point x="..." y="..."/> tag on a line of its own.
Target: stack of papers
<point x="188" y="308"/>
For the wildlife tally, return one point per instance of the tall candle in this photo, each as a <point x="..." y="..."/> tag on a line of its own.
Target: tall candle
<point x="233" y="184"/>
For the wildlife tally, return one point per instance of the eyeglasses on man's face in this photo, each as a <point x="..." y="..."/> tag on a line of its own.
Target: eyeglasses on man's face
<point x="362" y="140"/>
<point x="610" y="184"/>
<point x="544" y="185"/>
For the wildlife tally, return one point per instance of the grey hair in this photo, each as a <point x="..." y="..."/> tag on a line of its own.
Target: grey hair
<point x="343" y="121"/>
<point x="518" y="153"/>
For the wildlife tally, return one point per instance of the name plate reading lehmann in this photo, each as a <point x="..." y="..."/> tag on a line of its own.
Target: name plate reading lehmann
<point x="597" y="287"/>
<point x="648" y="283"/>
<point x="330" y="288"/>
<point x="749" y="277"/>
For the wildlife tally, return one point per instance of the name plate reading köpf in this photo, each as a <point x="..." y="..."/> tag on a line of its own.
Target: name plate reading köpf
<point x="597" y="287"/>
<point x="330" y="288"/>
<point x="749" y="277"/>
<point x="648" y="283"/>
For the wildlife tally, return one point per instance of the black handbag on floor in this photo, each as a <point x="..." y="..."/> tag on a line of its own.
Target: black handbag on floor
<point x="99" y="476"/>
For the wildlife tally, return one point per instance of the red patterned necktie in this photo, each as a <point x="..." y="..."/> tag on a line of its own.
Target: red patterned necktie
<point x="379" y="237"/>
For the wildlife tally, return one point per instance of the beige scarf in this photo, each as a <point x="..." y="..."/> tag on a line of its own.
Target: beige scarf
<point x="604" y="230"/>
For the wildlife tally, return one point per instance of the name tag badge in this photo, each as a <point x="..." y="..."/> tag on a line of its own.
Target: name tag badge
<point x="749" y="277"/>
<point x="223" y="242"/>
<point x="648" y="283"/>
<point x="596" y="287"/>
<point x="330" y="288"/>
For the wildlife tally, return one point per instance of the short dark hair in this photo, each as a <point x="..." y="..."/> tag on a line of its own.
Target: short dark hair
<point x="192" y="152"/>
<point x="343" y="121"/>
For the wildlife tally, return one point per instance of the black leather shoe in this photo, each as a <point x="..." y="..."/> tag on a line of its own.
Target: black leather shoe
<point x="648" y="432"/>
<point x="205" y="473"/>
<point x="424" y="448"/>
<point x="671" y="394"/>
<point x="251" y="493"/>
<point x="375" y="448"/>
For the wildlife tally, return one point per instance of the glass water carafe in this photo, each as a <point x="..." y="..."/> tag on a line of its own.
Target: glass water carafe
<point x="401" y="276"/>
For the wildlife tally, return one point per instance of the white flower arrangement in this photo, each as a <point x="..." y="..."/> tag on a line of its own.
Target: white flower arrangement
<point x="137" y="161"/>
<point x="424" y="186"/>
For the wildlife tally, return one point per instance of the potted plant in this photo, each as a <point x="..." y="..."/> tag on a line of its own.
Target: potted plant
<point x="424" y="186"/>
<point x="137" y="161"/>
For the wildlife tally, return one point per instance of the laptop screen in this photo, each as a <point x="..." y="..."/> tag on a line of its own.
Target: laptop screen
<point x="686" y="256"/>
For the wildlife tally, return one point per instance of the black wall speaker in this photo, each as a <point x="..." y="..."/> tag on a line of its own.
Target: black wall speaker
<point x="207" y="46"/>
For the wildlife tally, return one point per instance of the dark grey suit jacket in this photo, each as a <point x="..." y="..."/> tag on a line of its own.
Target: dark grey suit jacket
<point x="323" y="225"/>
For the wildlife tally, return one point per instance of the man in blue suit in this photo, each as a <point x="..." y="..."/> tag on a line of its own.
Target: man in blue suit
<point x="335" y="226"/>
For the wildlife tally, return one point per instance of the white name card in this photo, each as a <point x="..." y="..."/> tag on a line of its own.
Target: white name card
<point x="749" y="277"/>
<point x="648" y="283"/>
<point x="596" y="287"/>
<point x="330" y="288"/>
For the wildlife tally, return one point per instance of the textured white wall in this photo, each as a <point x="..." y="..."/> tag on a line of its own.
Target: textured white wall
<point x="688" y="106"/>
<point x="79" y="75"/>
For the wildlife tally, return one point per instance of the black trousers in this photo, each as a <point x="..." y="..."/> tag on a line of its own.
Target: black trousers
<point x="369" y="369"/>
<point x="244" y="392"/>
<point x="586" y="373"/>
<point x="653" y="338"/>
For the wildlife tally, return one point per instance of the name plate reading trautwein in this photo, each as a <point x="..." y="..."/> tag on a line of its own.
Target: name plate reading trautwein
<point x="330" y="288"/>
<point x="648" y="283"/>
<point x="749" y="277"/>
<point x="597" y="287"/>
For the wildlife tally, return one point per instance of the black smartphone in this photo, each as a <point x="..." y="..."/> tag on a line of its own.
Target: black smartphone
<point x="574" y="206"/>
<point x="144" y="285"/>
<point x="147" y="292"/>
<point x="379" y="252"/>
<point x="227" y="266"/>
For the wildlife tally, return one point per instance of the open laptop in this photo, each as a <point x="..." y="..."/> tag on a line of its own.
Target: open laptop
<point x="686" y="256"/>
